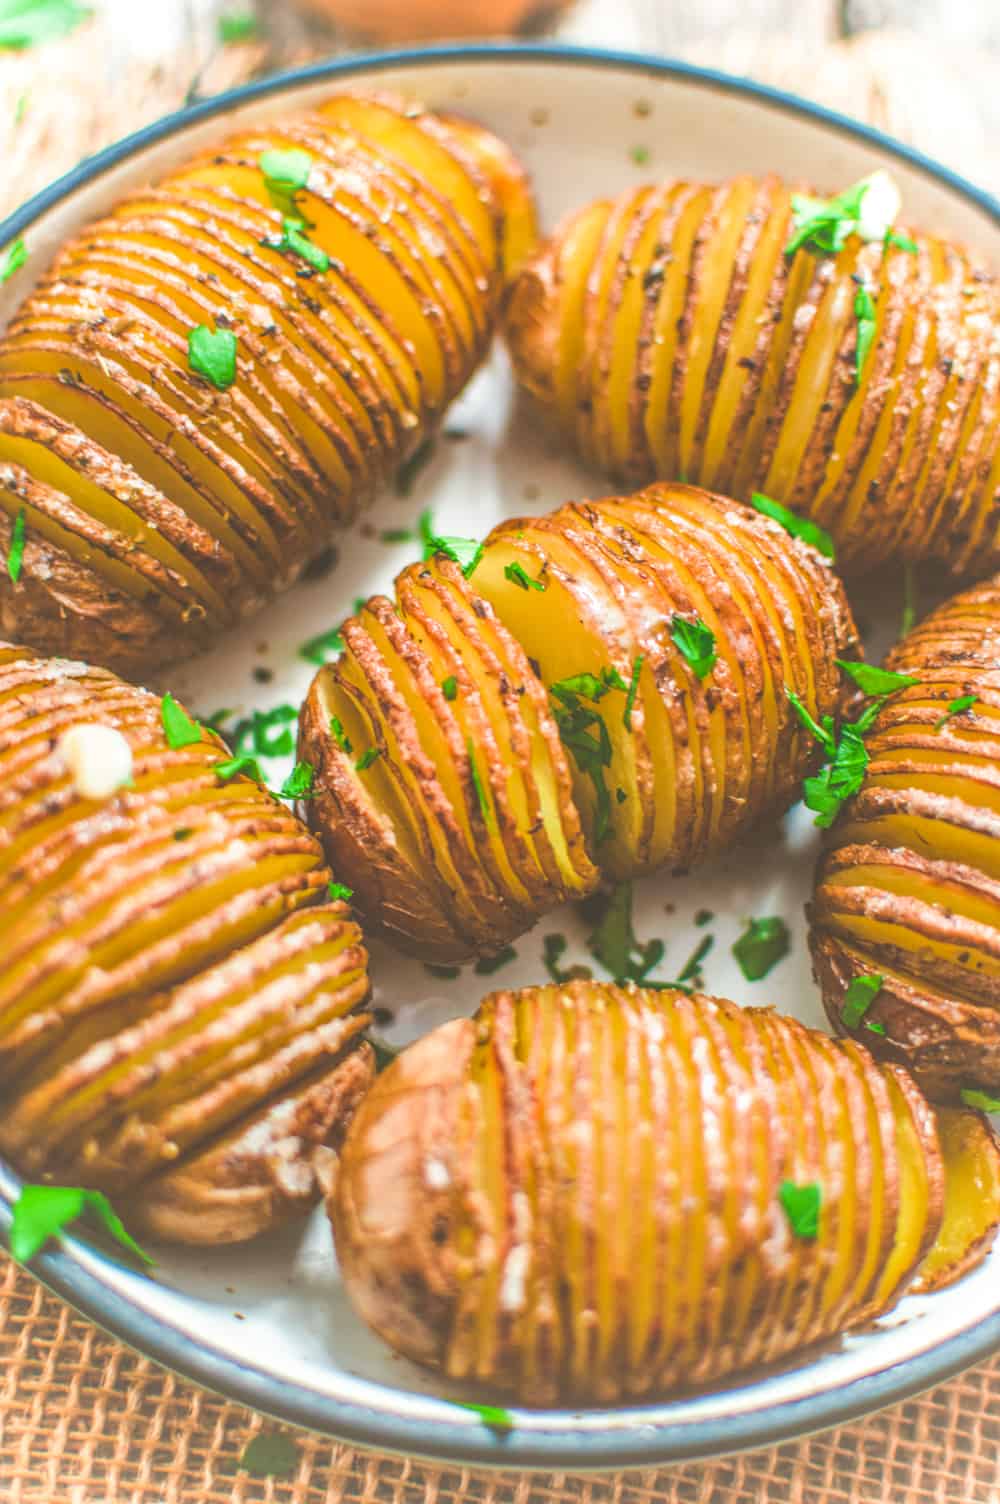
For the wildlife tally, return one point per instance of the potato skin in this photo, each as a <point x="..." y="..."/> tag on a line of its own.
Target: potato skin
<point x="161" y="510"/>
<point x="576" y="1195"/>
<point x="667" y="334"/>
<point x="459" y="818"/>
<point x="181" y="1005"/>
<point x="908" y="887"/>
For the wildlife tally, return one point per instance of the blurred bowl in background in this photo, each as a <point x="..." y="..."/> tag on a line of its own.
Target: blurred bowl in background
<point x="424" y="20"/>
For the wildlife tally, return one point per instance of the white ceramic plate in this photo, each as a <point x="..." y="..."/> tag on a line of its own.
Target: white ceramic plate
<point x="269" y="1323"/>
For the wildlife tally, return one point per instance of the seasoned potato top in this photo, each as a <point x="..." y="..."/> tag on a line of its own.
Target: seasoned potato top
<point x="697" y="331"/>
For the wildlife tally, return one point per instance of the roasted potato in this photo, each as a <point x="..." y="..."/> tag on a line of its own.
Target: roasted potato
<point x="181" y="1004"/>
<point x="588" y="1193"/>
<point x="909" y="889"/>
<point x="496" y="735"/>
<point x="214" y="377"/>
<point x="670" y="334"/>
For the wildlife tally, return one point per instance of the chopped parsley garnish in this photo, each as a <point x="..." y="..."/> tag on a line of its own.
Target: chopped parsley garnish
<point x="263" y="733"/>
<point x="396" y="535"/>
<point x="761" y="946"/>
<point x="178" y="727"/>
<point x="367" y="758"/>
<point x="14" y="258"/>
<point x="695" y="642"/>
<point x="385" y="1054"/>
<point x="956" y="707"/>
<point x="872" y="680"/>
<point x="640" y="155"/>
<point x="690" y="972"/>
<point x="980" y="1099"/>
<point x="587" y="686"/>
<point x="339" y="892"/>
<point x="864" y="312"/>
<point x="868" y="209"/>
<point x="614" y="944"/>
<point x="339" y="735"/>
<point x="293" y="241"/>
<point x="233" y="767"/>
<point x="493" y="1416"/>
<point x="323" y="647"/>
<point x="799" y="527"/>
<point x="449" y="687"/>
<point x="25" y="23"/>
<point x="42" y="1212"/>
<point x="446" y="973"/>
<point x="299" y="783"/>
<point x="487" y="965"/>
<point x="237" y="29"/>
<point x="553" y="949"/>
<point x="583" y="733"/>
<point x="183" y="833"/>
<point x="519" y="576"/>
<point x="847" y="759"/>
<point x="408" y="471"/>
<point x="632" y="691"/>
<point x="477" y="783"/>
<point x="465" y="552"/>
<point x="15" y="556"/>
<point x="703" y="916"/>
<point x="212" y="354"/>
<point x="801" y="1204"/>
<point x="286" y="172"/>
<point x="271" y="1455"/>
<point x="874" y="1027"/>
<point x="861" y="993"/>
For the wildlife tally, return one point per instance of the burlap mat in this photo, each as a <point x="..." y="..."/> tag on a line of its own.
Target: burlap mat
<point x="85" y="1421"/>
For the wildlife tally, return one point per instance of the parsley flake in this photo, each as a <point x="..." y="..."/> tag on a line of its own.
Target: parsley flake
<point x="613" y="941"/>
<point x="234" y="29"/>
<point x="554" y="947"/>
<point x="449" y="687"/>
<point x="408" y="471"/>
<point x="178" y="727"/>
<point x="801" y="1205"/>
<point x="323" y="647"/>
<point x="864" y="312"/>
<point x="493" y="1416"/>
<point x="861" y="993"/>
<point x="477" y="783"/>
<point x="798" y="527"/>
<point x="270" y="1456"/>
<point x="286" y="172"/>
<point x="632" y="691"/>
<point x="823" y="226"/>
<point x="584" y="734"/>
<point x="293" y="241"/>
<point x="872" y="680"/>
<point x="339" y="735"/>
<point x="980" y="1100"/>
<point x="761" y="946"/>
<point x="14" y="258"/>
<point x="367" y="758"/>
<point x="487" y="965"/>
<point x="465" y="552"/>
<point x="25" y="23"/>
<point x="519" y="576"/>
<point x="234" y="767"/>
<point x="956" y="707"/>
<point x="212" y="354"/>
<point x="339" y="892"/>
<point x="42" y="1212"/>
<point x="696" y="644"/>
<point x="690" y="973"/>
<point x="299" y="783"/>
<point x="15" y="555"/>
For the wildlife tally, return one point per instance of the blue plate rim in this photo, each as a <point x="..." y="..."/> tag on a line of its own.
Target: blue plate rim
<point x="465" y="1439"/>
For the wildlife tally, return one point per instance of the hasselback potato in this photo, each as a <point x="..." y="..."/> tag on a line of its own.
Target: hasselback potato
<point x="587" y="1193"/>
<point x="601" y="690"/>
<point x="180" y="1003"/>
<point x="909" y="890"/>
<point x="689" y="331"/>
<point x="210" y="380"/>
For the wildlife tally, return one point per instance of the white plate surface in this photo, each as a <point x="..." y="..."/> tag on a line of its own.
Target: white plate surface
<point x="276" y="1308"/>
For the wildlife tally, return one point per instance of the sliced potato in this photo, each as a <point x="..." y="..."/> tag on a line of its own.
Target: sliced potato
<point x="909" y="888"/>
<point x="589" y="1192"/>
<point x="177" y="983"/>
<point x="670" y="336"/>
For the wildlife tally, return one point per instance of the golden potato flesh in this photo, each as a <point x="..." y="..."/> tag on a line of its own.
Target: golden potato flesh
<point x="162" y="502"/>
<point x="908" y="892"/>
<point x="587" y="1193"/>
<point x="670" y="335"/>
<point x="177" y="984"/>
<point x="487" y="744"/>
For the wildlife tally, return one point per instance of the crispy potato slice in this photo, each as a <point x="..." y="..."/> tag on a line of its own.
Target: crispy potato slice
<point x="670" y="336"/>
<point x="909" y="887"/>
<point x="176" y="982"/>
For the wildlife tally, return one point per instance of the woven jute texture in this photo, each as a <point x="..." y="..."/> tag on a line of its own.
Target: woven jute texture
<point x="84" y="1420"/>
